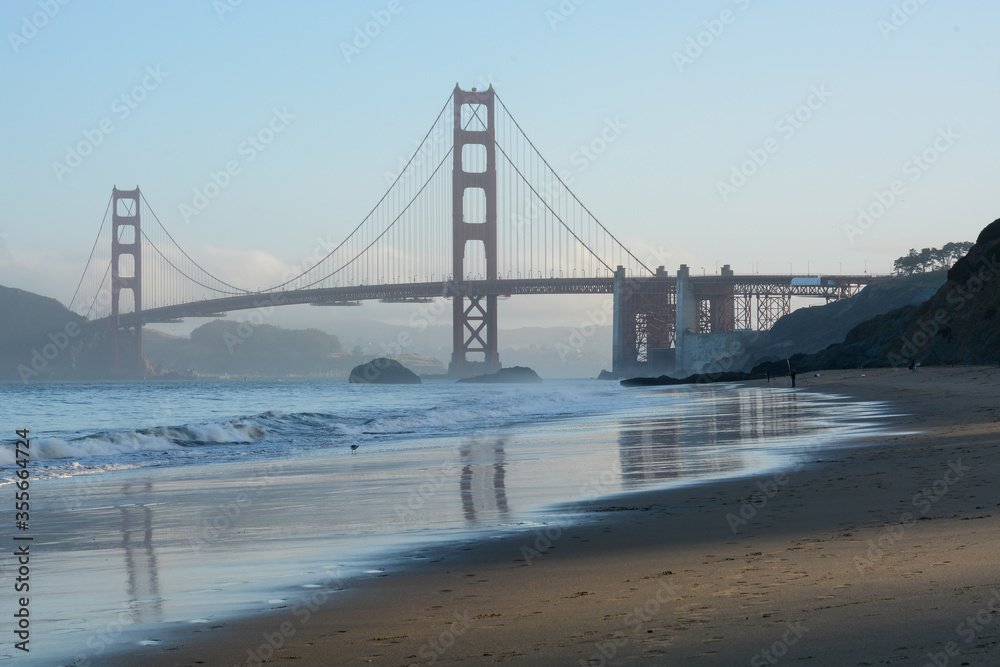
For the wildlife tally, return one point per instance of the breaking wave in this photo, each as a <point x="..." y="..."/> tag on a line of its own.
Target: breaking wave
<point x="276" y="433"/>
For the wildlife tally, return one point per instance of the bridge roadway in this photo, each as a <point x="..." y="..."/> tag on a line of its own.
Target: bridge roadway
<point x="829" y="287"/>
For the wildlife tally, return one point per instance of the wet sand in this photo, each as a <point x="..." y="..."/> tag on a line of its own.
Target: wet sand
<point x="880" y="554"/>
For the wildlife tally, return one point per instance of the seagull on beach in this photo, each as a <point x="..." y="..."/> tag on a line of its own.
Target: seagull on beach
<point x="354" y="447"/>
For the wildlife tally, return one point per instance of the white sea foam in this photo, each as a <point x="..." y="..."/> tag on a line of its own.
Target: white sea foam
<point x="449" y="410"/>
<point x="160" y="438"/>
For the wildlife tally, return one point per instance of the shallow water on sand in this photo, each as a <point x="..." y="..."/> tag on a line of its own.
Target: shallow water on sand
<point x="155" y="505"/>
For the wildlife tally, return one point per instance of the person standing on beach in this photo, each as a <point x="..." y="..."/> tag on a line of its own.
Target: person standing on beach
<point x="792" y="374"/>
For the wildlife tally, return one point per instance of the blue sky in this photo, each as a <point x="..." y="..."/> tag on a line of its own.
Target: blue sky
<point x="894" y="77"/>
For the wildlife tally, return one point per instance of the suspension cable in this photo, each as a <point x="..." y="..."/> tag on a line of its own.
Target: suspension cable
<point x="238" y="289"/>
<point x="103" y="220"/>
<point x="98" y="291"/>
<point x="554" y="214"/>
<point x="180" y="271"/>
<point x="374" y="208"/>
<point x="607" y="231"/>
<point x="384" y="231"/>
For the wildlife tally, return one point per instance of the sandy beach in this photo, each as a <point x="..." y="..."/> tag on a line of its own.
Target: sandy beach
<point x="880" y="554"/>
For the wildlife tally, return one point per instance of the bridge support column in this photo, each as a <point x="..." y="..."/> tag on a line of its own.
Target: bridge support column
<point x="722" y="309"/>
<point x="623" y="347"/>
<point x="126" y="241"/>
<point x="474" y="326"/>
<point x="643" y="324"/>
<point x="687" y="313"/>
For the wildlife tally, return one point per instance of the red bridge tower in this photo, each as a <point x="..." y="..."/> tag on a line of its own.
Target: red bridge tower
<point x="474" y="326"/>
<point x="126" y="244"/>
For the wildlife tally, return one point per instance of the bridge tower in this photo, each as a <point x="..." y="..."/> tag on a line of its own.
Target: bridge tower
<point x="474" y="326"/>
<point x="126" y="241"/>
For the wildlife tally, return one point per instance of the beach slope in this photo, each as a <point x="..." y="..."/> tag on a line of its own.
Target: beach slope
<point x="884" y="553"/>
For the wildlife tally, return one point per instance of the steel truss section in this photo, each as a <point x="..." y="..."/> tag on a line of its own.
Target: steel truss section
<point x="743" y="306"/>
<point x="771" y="308"/>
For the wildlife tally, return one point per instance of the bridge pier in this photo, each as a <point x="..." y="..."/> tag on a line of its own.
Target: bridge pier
<point x="643" y="324"/>
<point x="679" y="325"/>
<point x="687" y="314"/>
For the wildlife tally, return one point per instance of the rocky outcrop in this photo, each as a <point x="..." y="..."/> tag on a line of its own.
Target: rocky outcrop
<point x="960" y="323"/>
<point x="697" y="378"/>
<point x="383" y="371"/>
<point x="513" y="375"/>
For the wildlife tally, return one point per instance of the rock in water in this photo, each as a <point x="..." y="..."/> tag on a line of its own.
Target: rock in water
<point x="514" y="374"/>
<point x="383" y="371"/>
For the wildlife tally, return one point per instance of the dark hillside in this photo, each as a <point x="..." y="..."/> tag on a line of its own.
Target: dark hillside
<point x="41" y="340"/>
<point x="959" y="323"/>
<point x="809" y="330"/>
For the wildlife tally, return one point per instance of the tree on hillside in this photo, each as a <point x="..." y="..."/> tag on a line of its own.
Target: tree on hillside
<point x="930" y="259"/>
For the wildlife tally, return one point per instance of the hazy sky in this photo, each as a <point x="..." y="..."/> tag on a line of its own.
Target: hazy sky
<point x="835" y="104"/>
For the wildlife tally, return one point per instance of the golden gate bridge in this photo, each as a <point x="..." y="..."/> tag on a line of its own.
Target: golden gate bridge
<point x="476" y="213"/>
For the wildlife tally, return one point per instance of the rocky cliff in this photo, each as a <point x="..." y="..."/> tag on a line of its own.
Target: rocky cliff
<point x="960" y="323"/>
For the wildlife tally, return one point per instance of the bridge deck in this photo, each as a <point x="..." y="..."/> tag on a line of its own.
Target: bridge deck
<point x="757" y="284"/>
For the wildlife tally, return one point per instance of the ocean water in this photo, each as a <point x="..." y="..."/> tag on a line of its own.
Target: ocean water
<point x="164" y="505"/>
